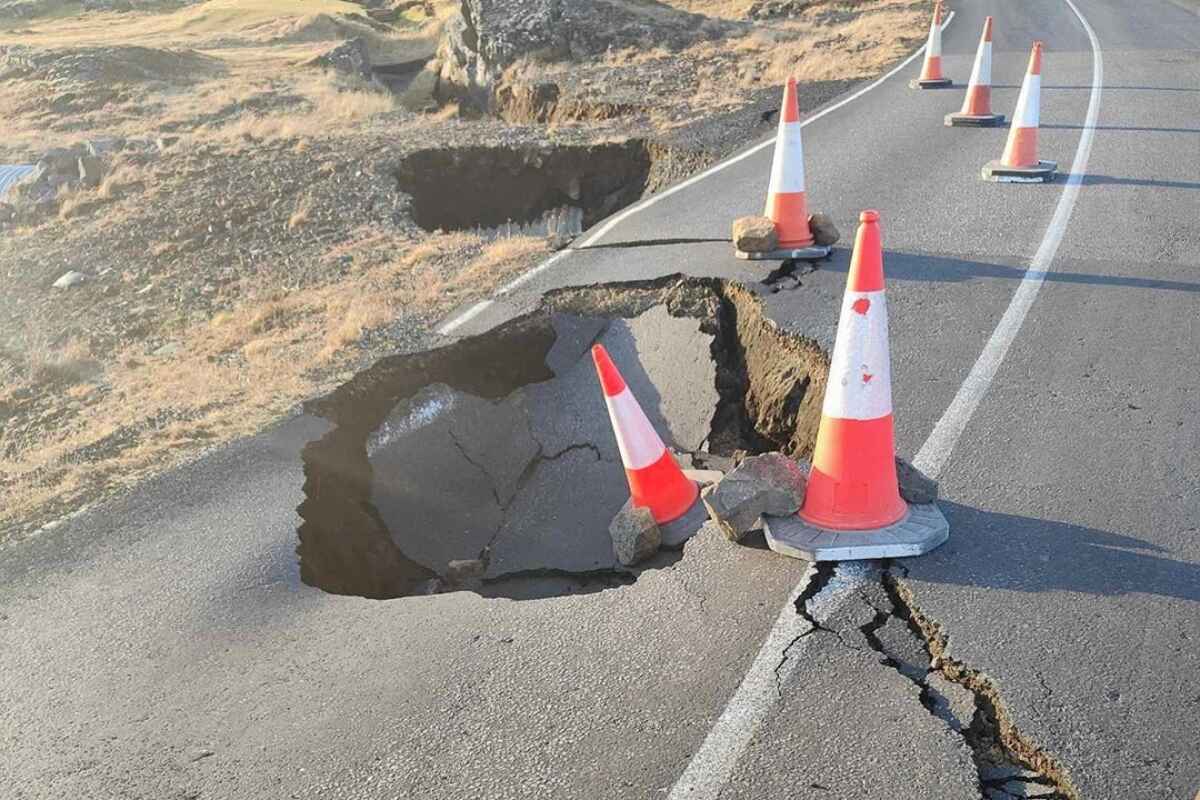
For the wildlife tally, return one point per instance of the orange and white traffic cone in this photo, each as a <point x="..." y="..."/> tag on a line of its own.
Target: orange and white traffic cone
<point x="1020" y="160"/>
<point x="852" y="506"/>
<point x="977" y="107"/>
<point x="655" y="480"/>
<point x="787" y="196"/>
<point x="931" y="70"/>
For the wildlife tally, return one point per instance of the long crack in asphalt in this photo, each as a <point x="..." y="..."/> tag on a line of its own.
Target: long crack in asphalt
<point x="1008" y="763"/>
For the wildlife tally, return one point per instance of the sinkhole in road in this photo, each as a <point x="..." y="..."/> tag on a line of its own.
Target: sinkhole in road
<point x="541" y="189"/>
<point x="490" y="465"/>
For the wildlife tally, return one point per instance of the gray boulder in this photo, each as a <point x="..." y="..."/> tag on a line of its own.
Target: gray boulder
<point x="771" y="483"/>
<point x="755" y="235"/>
<point x="351" y="57"/>
<point x="635" y="534"/>
<point x="915" y="486"/>
<point x="824" y="232"/>
<point x="91" y="171"/>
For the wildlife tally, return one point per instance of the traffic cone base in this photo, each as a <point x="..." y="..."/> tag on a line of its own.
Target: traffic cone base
<point x="959" y="119"/>
<point x="930" y="83"/>
<point x="1041" y="172"/>
<point x="922" y="529"/>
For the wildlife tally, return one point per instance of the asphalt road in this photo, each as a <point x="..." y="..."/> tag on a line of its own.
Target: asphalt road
<point x="163" y="645"/>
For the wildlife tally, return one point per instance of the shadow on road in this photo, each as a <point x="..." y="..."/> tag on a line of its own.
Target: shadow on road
<point x="1109" y="180"/>
<point x="1026" y="554"/>
<point x="921" y="267"/>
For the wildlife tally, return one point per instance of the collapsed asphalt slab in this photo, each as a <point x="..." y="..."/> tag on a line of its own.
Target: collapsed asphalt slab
<point x="493" y="459"/>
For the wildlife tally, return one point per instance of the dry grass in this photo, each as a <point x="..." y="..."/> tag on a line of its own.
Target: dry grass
<point x="234" y="373"/>
<point x="328" y="108"/>
<point x="858" y="47"/>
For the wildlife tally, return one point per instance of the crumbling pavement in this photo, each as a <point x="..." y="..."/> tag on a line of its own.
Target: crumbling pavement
<point x="897" y="680"/>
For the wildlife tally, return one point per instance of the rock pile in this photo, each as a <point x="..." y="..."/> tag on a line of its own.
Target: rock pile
<point x="771" y="483"/>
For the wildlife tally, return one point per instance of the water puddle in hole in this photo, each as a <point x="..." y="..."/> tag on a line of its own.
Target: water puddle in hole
<point x="490" y="464"/>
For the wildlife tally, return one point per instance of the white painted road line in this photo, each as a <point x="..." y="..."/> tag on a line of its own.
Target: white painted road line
<point x="709" y="770"/>
<point x="458" y="320"/>
<point x="936" y="451"/>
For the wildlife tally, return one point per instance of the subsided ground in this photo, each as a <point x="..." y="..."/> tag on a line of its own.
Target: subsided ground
<point x="260" y="228"/>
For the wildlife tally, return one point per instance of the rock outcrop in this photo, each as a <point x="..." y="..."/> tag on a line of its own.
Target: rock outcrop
<point x="488" y="36"/>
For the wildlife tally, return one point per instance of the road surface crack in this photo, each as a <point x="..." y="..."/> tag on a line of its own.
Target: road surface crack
<point x="1009" y="764"/>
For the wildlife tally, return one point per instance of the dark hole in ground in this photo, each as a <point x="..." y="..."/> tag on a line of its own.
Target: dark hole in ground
<point x="490" y="465"/>
<point x="484" y="187"/>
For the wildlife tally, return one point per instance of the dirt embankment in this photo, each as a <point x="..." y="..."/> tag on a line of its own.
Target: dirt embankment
<point x="237" y="196"/>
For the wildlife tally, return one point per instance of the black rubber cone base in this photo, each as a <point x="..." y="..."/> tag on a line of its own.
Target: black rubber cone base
<point x="1043" y="172"/>
<point x="960" y="120"/>
<point x="935" y="83"/>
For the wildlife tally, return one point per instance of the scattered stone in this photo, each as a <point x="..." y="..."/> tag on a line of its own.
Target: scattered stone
<point x="755" y="235"/>
<point x="91" y="171"/>
<point x="350" y="58"/>
<point x="70" y="279"/>
<point x="635" y="534"/>
<point x="955" y="705"/>
<point x="200" y="753"/>
<point x="824" y="232"/>
<point x="771" y="483"/>
<point x="466" y="570"/>
<point x="166" y="142"/>
<point x="168" y="349"/>
<point x="915" y="486"/>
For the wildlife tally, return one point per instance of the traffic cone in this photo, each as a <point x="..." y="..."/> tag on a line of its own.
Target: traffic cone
<point x="1020" y="161"/>
<point x="787" y="202"/>
<point x="853" y="483"/>
<point x="931" y="70"/>
<point x="655" y="480"/>
<point x="977" y="107"/>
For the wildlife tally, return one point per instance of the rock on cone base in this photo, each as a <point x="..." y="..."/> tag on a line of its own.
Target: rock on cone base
<point x="922" y="529"/>
<point x="1042" y="172"/>
<point x="958" y="120"/>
